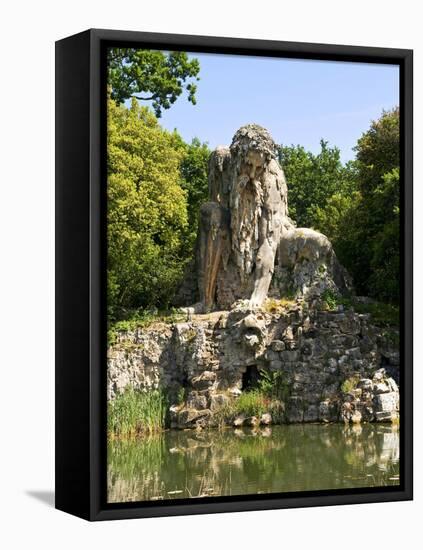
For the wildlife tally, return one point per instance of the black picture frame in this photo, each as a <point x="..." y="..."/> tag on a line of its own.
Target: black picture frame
<point x="80" y="273"/>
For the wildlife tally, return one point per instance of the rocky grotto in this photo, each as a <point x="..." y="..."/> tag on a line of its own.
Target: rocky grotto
<point x="254" y="305"/>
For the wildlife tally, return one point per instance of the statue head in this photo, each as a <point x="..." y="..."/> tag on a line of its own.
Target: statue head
<point x="253" y="148"/>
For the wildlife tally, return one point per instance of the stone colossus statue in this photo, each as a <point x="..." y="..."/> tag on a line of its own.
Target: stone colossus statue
<point x="245" y="232"/>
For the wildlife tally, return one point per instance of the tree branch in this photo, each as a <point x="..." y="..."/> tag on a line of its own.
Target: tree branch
<point x="144" y="98"/>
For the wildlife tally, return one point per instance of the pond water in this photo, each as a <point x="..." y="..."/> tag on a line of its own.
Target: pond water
<point x="302" y="457"/>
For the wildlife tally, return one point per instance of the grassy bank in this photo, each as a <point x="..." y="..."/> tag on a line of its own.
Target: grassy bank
<point x="133" y="319"/>
<point x="267" y="397"/>
<point x="251" y="403"/>
<point x="381" y="313"/>
<point x="136" y="412"/>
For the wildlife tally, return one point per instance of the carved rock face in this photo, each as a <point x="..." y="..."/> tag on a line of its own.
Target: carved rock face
<point x="258" y="204"/>
<point x="245" y="228"/>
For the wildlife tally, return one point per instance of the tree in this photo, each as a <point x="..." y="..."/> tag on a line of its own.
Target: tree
<point x="385" y="261"/>
<point x="330" y="219"/>
<point x="151" y="75"/>
<point x="364" y="226"/>
<point x="312" y="180"/>
<point x="194" y="172"/>
<point x="378" y="151"/>
<point x="376" y="222"/>
<point x="147" y="210"/>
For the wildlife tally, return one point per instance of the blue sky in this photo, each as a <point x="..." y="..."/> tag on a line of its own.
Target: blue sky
<point x="298" y="101"/>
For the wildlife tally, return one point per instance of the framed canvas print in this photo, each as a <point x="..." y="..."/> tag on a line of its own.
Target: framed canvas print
<point x="234" y="274"/>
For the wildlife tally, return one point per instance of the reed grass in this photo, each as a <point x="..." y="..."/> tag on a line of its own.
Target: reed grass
<point x="137" y="412"/>
<point x="251" y="403"/>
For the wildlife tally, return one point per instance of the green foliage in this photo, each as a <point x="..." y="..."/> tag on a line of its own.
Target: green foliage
<point x="147" y="210"/>
<point x="369" y="239"/>
<point x="151" y="75"/>
<point x="313" y="179"/>
<point x="142" y="318"/>
<point x="156" y="184"/>
<point x="350" y="384"/>
<point x="251" y="403"/>
<point x="378" y="152"/>
<point x="382" y="313"/>
<point x="268" y="397"/>
<point x="330" y="299"/>
<point x="136" y="412"/>
<point x="254" y="403"/>
<point x="194" y="170"/>
<point x="331" y="218"/>
<point x="392" y="336"/>
<point x="272" y="384"/>
<point x="385" y="260"/>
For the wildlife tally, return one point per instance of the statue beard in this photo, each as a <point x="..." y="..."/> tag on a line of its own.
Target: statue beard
<point x="246" y="213"/>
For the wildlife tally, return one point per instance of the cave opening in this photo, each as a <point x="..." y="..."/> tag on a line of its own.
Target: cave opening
<point x="250" y="378"/>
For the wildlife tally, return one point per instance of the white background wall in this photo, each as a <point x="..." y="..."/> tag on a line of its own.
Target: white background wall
<point x="28" y="32"/>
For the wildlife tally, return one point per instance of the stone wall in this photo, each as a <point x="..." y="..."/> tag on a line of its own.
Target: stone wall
<point x="336" y="366"/>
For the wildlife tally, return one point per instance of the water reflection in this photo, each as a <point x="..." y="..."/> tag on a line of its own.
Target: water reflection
<point x="182" y="464"/>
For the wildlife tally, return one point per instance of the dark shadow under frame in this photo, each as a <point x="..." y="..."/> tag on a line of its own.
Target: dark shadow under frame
<point x="81" y="249"/>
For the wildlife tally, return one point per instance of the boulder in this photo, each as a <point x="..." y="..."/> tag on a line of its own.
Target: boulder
<point x="266" y="419"/>
<point x="239" y="421"/>
<point x="196" y="400"/>
<point x="393" y="386"/>
<point x="365" y="384"/>
<point x="387" y="416"/>
<point x="356" y="417"/>
<point x="386" y="402"/>
<point x="381" y="387"/>
<point x="379" y="375"/>
<point x="191" y="418"/>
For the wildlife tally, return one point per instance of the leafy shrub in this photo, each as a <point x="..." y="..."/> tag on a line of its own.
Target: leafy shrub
<point x="350" y="384"/>
<point x="272" y="384"/>
<point x="330" y="299"/>
<point x="384" y="314"/>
